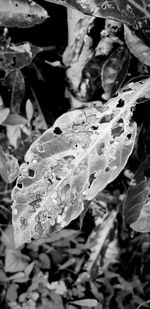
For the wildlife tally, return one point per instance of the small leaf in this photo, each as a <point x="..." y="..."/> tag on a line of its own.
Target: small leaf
<point x="136" y="46"/>
<point x="20" y="13"/>
<point x="44" y="261"/>
<point x="115" y="70"/>
<point x="85" y="303"/>
<point x="9" y="167"/>
<point x="15" y="120"/>
<point x="11" y="294"/>
<point x="7" y="237"/>
<point x="4" y="114"/>
<point x="29" y="110"/>
<point x="13" y="261"/>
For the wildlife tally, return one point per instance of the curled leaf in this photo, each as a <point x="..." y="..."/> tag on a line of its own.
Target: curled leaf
<point x="136" y="46"/>
<point x="115" y="70"/>
<point x="21" y="13"/>
<point x="9" y="168"/>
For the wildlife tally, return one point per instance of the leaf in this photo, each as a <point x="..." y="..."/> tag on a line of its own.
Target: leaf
<point x="7" y="237"/>
<point x="4" y="114"/>
<point x="115" y="70"/>
<point x="11" y="294"/>
<point x="16" y="87"/>
<point x="17" y="56"/>
<point x="71" y="162"/>
<point x="9" y="168"/>
<point x="85" y="303"/>
<point x="21" y="13"/>
<point x="44" y="261"/>
<point x="14" y="261"/>
<point x="137" y="203"/>
<point x="97" y="240"/>
<point x="136" y="46"/>
<point x="136" y="13"/>
<point x="13" y="135"/>
<point x="29" y="110"/>
<point x="15" y="120"/>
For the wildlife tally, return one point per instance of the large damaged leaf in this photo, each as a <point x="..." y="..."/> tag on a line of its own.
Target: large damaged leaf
<point x="71" y="162"/>
<point x="133" y="12"/>
<point x="21" y="13"/>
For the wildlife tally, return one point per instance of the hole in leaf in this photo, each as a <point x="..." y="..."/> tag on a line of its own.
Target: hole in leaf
<point x="106" y="118"/>
<point x="117" y="131"/>
<point x="91" y="178"/>
<point x="31" y="173"/>
<point x="107" y="169"/>
<point x="129" y="135"/>
<point x="19" y="185"/>
<point x="94" y="127"/>
<point x="120" y="103"/>
<point x="57" y="131"/>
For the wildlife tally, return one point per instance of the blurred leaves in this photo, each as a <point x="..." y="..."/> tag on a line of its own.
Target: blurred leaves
<point x="9" y="167"/>
<point x="21" y="13"/>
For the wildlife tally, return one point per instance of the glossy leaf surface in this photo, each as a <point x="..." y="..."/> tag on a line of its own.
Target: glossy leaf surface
<point x="135" y="13"/>
<point x="21" y="13"/>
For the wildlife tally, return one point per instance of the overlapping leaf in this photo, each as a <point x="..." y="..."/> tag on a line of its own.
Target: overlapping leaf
<point x="71" y="162"/>
<point x="114" y="70"/>
<point x="21" y="13"/>
<point x="17" y="56"/>
<point x="136" y="46"/>
<point x="136" y="13"/>
<point x="9" y="168"/>
<point x="137" y="204"/>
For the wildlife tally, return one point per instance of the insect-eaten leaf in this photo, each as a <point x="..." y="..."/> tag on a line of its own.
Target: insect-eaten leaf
<point x="126" y="11"/>
<point x="9" y="167"/>
<point x="14" y="57"/>
<point x="115" y="70"/>
<point x="71" y="162"/>
<point x="137" y="203"/>
<point x="21" y="13"/>
<point x="136" y="46"/>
